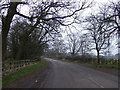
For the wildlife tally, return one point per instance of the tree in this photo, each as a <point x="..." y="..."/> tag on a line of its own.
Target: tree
<point x="6" y="22"/>
<point x="57" y="47"/>
<point x="79" y="43"/>
<point x="111" y="13"/>
<point x="42" y="12"/>
<point x="85" y="47"/>
<point x="100" y="32"/>
<point x="75" y="44"/>
<point x="24" y="45"/>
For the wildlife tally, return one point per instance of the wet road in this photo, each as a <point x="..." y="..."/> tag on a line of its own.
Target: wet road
<point x="68" y="75"/>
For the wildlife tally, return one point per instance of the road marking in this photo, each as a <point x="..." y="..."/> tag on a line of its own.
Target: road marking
<point x="95" y="82"/>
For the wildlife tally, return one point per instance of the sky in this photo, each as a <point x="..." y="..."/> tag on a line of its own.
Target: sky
<point x="114" y="50"/>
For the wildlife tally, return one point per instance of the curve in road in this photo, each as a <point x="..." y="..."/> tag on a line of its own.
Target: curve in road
<point x="68" y="75"/>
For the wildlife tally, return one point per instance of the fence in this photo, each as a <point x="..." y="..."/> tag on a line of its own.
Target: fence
<point x="11" y="66"/>
<point x="90" y="60"/>
<point x="107" y="61"/>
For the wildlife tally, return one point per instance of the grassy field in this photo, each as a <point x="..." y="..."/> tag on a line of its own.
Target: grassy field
<point x="18" y="74"/>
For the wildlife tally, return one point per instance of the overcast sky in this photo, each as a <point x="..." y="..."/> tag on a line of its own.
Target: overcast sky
<point x="113" y="49"/>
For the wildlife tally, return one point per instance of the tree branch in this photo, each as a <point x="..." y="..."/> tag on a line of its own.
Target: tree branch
<point x="23" y="15"/>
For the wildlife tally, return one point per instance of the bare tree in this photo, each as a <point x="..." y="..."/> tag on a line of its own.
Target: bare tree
<point x="79" y="43"/>
<point x="57" y="47"/>
<point x="86" y="43"/>
<point x="6" y="21"/>
<point x="111" y="13"/>
<point x="100" y="32"/>
<point x="39" y="13"/>
<point x="74" y="44"/>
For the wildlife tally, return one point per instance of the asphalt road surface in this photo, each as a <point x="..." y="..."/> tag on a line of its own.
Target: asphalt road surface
<point x="68" y="75"/>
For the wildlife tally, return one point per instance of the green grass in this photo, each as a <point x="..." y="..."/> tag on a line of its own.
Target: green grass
<point x="18" y="74"/>
<point x="0" y="82"/>
<point x="109" y="65"/>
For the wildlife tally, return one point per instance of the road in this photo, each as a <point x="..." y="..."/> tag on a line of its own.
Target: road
<point x="68" y="75"/>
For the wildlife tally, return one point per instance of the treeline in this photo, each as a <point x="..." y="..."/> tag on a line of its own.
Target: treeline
<point x="21" y="44"/>
<point x="25" y="35"/>
<point x="39" y="31"/>
<point x="102" y="28"/>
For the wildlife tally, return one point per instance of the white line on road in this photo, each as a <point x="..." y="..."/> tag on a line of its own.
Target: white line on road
<point x="95" y="82"/>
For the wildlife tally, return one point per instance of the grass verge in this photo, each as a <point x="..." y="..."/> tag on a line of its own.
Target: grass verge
<point x="109" y="66"/>
<point x="18" y="74"/>
<point x="96" y="65"/>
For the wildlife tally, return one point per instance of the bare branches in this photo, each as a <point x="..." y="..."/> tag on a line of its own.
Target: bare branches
<point x="54" y="18"/>
<point x="100" y="32"/>
<point x="45" y="17"/>
<point x="23" y="15"/>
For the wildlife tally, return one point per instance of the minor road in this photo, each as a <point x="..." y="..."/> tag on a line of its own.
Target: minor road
<point x="68" y="75"/>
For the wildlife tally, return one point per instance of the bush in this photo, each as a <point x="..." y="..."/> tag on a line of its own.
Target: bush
<point x="81" y="58"/>
<point x="38" y="58"/>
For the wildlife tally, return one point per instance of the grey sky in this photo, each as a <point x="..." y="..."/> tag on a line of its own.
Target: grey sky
<point x="113" y="48"/>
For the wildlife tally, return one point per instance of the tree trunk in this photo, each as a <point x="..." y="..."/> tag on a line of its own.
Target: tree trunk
<point x="21" y="54"/>
<point x="5" y="29"/>
<point x="6" y="21"/>
<point x="98" y="57"/>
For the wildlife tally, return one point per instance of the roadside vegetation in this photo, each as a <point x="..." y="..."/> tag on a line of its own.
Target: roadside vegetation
<point x="105" y="63"/>
<point x="12" y="76"/>
<point x="91" y="61"/>
<point x="58" y="30"/>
